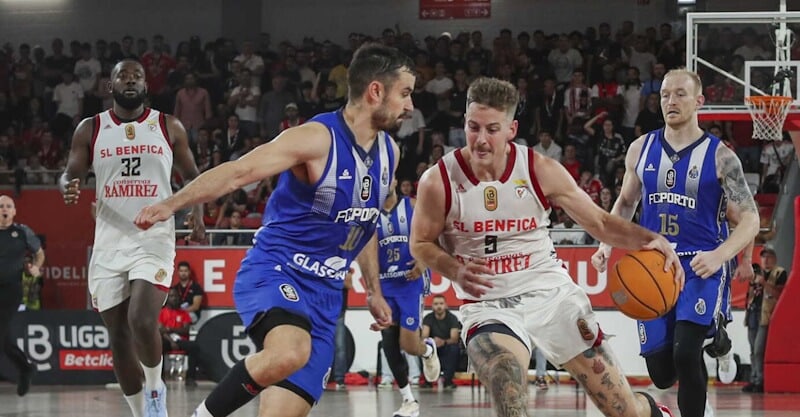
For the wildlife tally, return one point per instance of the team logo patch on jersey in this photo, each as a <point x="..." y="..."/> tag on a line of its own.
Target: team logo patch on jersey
<point x="289" y="293"/>
<point x="642" y="334"/>
<point x="366" y="187"/>
<point x="586" y="332"/>
<point x="152" y="125"/>
<point x="130" y="131"/>
<point x="368" y="161"/>
<point x="161" y="275"/>
<point x="700" y="306"/>
<point x="522" y="192"/>
<point x="389" y="228"/>
<point x="14" y="234"/>
<point x="410" y="321"/>
<point x="694" y="172"/>
<point x="402" y="219"/>
<point x="669" y="179"/>
<point x="490" y="198"/>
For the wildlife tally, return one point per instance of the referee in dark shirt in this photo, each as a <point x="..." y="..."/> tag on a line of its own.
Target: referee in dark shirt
<point x="16" y="240"/>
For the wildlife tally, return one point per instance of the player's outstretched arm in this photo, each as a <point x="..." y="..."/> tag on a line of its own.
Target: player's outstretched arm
<point x="559" y="186"/>
<point x="628" y="199"/>
<point x="741" y="208"/>
<point x="77" y="161"/>
<point x="292" y="147"/>
<point x="427" y="225"/>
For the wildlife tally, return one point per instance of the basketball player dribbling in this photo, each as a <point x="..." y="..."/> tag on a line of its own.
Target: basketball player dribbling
<point x="403" y="285"/>
<point x="335" y="171"/>
<point x="481" y="220"/>
<point x="690" y="186"/>
<point x="132" y="150"/>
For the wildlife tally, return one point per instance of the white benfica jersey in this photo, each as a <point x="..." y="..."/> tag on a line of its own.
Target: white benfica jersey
<point x="503" y="222"/>
<point x="133" y="165"/>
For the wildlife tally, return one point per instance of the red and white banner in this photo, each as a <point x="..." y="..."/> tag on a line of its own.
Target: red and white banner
<point x="68" y="232"/>
<point x="215" y="270"/>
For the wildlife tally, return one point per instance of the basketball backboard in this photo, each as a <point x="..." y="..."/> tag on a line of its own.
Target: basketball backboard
<point x="740" y="54"/>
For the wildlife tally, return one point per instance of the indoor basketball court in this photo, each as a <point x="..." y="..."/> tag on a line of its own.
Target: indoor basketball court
<point x="561" y="401"/>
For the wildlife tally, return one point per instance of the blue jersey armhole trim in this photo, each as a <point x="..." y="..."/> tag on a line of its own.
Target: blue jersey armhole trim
<point x="642" y="156"/>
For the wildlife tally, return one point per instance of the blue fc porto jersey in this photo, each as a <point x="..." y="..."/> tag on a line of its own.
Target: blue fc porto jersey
<point x="682" y="198"/>
<point x="317" y="229"/>
<point x="394" y="256"/>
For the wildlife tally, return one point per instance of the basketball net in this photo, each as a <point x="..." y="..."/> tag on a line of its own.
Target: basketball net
<point x="768" y="113"/>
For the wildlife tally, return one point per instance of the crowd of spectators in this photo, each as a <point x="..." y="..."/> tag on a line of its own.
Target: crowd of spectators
<point x="584" y="97"/>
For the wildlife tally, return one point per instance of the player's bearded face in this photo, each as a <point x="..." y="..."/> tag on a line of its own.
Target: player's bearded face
<point x="129" y="98"/>
<point x="386" y="118"/>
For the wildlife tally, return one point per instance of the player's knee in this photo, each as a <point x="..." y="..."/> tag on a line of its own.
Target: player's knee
<point x="686" y="358"/>
<point x="291" y="360"/>
<point x="142" y="327"/>
<point x="661" y="369"/>
<point x="409" y="342"/>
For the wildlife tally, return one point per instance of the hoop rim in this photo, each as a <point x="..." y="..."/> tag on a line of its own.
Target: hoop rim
<point x="757" y="100"/>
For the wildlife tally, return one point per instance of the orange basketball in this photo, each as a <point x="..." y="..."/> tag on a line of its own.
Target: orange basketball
<point x="639" y="286"/>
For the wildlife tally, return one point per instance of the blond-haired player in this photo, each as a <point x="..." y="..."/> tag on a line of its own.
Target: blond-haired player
<point x="482" y="221"/>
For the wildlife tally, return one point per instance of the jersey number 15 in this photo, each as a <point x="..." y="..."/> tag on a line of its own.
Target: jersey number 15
<point x="669" y="224"/>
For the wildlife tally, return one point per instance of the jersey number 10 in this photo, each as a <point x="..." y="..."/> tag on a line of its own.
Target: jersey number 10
<point x="353" y="237"/>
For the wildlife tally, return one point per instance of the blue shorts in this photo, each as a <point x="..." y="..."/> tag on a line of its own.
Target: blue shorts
<point x="699" y="302"/>
<point x="262" y="285"/>
<point x="406" y="310"/>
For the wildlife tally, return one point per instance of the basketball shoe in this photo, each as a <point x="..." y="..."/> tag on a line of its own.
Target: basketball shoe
<point x="156" y="403"/>
<point x="408" y="409"/>
<point x="727" y="368"/>
<point x="431" y="367"/>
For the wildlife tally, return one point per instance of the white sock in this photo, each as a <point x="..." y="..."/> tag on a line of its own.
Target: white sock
<point x="407" y="394"/>
<point x="202" y="411"/>
<point x="428" y="351"/>
<point x="152" y="376"/>
<point x="136" y="402"/>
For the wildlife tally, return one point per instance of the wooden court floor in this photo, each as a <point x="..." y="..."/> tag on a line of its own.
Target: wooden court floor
<point x="559" y="401"/>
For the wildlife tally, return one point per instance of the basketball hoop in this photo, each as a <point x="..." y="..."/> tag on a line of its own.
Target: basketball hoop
<point x="768" y="114"/>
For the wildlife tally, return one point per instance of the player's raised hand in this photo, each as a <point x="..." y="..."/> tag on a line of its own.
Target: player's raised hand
<point x="381" y="312"/>
<point x="706" y="264"/>
<point x="151" y="215"/>
<point x="600" y="257"/>
<point x="72" y="191"/>
<point x="672" y="261"/>
<point x="469" y="277"/>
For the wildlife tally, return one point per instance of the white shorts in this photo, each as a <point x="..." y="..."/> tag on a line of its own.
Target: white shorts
<point x="110" y="273"/>
<point x="558" y="320"/>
